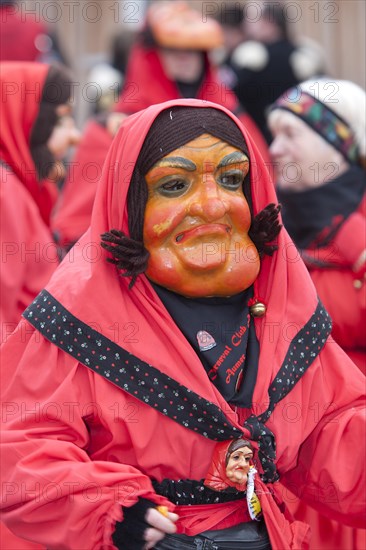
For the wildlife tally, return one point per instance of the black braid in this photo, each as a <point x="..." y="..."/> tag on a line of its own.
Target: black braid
<point x="136" y="203"/>
<point x="265" y="228"/>
<point x="130" y="256"/>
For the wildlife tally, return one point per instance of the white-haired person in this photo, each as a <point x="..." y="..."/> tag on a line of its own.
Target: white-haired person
<point x="318" y="152"/>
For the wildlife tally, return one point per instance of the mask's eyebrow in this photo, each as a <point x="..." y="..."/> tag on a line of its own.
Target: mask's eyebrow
<point x="176" y="162"/>
<point x="233" y="158"/>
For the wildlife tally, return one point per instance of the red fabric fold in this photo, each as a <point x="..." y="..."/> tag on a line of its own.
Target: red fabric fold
<point x="198" y="518"/>
<point x="285" y="533"/>
<point x="28" y="252"/>
<point x="339" y="274"/>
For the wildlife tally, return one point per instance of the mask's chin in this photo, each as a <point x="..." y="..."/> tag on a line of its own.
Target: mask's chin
<point x="205" y="284"/>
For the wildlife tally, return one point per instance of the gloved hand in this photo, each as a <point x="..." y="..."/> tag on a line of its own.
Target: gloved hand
<point x="142" y="526"/>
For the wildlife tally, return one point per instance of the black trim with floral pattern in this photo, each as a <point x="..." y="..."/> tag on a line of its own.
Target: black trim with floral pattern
<point x="125" y="370"/>
<point x="166" y="395"/>
<point x="303" y="349"/>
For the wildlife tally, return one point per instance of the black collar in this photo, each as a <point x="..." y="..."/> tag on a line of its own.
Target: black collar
<point x="313" y="217"/>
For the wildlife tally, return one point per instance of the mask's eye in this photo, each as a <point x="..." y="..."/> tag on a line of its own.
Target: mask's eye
<point x="235" y="457"/>
<point x="173" y="187"/>
<point x="231" y="179"/>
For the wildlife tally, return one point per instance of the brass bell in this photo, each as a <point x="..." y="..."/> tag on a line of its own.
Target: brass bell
<point x="258" y="309"/>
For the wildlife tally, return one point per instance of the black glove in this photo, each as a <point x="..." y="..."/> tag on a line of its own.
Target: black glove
<point x="129" y="533"/>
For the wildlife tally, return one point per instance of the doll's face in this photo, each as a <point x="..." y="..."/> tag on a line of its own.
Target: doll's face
<point x="238" y="465"/>
<point x="197" y="220"/>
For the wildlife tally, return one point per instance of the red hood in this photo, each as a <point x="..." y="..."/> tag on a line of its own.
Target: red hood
<point x="90" y="288"/>
<point x="22" y="85"/>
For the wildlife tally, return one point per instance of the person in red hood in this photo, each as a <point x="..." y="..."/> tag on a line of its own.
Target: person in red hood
<point x="170" y="60"/>
<point x="25" y="36"/>
<point x="175" y="323"/>
<point x="22" y="32"/>
<point x="36" y="131"/>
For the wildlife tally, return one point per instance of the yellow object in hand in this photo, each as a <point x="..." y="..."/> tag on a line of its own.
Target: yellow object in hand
<point x="163" y="510"/>
<point x="255" y="506"/>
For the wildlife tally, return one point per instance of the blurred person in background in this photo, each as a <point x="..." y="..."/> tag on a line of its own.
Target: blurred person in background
<point x="319" y="157"/>
<point x="170" y="60"/>
<point x="25" y="36"/>
<point x="318" y="152"/>
<point x="269" y="61"/>
<point x="37" y="130"/>
<point x="120" y="51"/>
<point x="108" y="76"/>
<point x="230" y="16"/>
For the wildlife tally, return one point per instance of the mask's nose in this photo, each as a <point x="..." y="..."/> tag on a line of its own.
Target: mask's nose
<point x="208" y="202"/>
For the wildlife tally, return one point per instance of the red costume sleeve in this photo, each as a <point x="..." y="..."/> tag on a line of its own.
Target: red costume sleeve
<point x="71" y="499"/>
<point x="329" y="471"/>
<point x="341" y="286"/>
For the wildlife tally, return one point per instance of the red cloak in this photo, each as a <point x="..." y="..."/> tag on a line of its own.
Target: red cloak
<point x="84" y="445"/>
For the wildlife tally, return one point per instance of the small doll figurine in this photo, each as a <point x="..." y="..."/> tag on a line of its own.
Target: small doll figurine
<point x="232" y="468"/>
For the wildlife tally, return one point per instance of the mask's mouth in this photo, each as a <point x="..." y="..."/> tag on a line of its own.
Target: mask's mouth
<point x="202" y="230"/>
